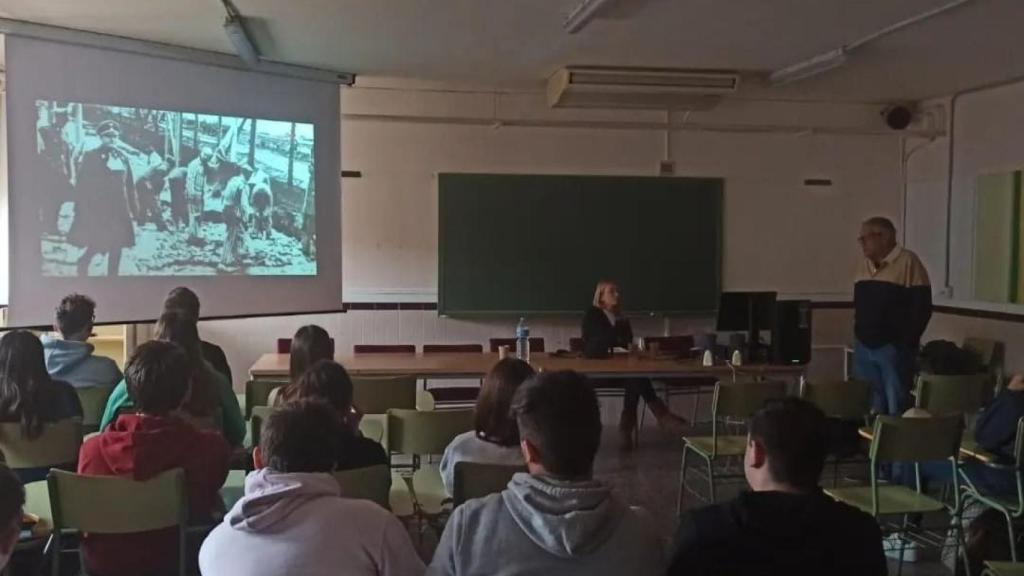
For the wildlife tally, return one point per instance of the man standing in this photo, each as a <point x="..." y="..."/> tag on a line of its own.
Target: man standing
<point x="148" y="187"/>
<point x="195" y="187"/>
<point x="234" y="217"/>
<point x="893" y="303"/>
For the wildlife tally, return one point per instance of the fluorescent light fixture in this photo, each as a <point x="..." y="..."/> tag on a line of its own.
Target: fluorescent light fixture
<point x="809" y="68"/>
<point x="583" y="14"/>
<point x="240" y="40"/>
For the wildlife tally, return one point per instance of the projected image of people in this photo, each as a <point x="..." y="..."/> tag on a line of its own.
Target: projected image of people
<point x="137" y="192"/>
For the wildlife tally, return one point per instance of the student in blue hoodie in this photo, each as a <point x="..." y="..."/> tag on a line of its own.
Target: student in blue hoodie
<point x="68" y="356"/>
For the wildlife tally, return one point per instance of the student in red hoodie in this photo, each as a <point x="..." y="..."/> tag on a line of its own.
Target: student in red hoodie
<point x="144" y="444"/>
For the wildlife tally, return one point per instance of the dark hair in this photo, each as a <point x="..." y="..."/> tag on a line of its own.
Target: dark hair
<point x="883" y="223"/>
<point x="26" y="390"/>
<point x="75" y="314"/>
<point x="492" y="417"/>
<point x="180" y="327"/>
<point x="12" y="499"/>
<point x="558" y="413"/>
<point x="326" y="381"/>
<point x="301" y="436"/>
<point x="310" y="344"/>
<point x="157" y="376"/>
<point x="793" y="433"/>
<point x="182" y="298"/>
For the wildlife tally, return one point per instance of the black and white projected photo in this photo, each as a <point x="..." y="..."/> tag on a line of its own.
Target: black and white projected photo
<point x="136" y="192"/>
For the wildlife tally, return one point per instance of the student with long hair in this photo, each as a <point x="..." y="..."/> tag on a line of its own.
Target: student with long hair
<point x="495" y="435"/>
<point x="310" y="344"/>
<point x="27" y="393"/>
<point x="327" y="381"/>
<point x="210" y="398"/>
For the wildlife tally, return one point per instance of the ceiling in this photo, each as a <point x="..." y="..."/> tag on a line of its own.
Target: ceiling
<point x="516" y="44"/>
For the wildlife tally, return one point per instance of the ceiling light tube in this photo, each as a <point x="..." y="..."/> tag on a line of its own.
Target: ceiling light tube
<point x="240" y="40"/>
<point x="583" y="14"/>
<point x="809" y="68"/>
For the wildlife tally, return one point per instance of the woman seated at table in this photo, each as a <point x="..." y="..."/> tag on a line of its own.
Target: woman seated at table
<point x="495" y="435"/>
<point x="604" y="329"/>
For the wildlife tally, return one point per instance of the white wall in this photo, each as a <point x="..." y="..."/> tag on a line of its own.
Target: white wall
<point x="779" y="235"/>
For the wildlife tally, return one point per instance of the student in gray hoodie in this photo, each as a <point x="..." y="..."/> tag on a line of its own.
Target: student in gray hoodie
<point x="69" y="357"/>
<point x="557" y="519"/>
<point x="293" y="518"/>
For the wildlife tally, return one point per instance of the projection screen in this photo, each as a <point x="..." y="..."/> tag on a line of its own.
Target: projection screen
<point x="131" y="174"/>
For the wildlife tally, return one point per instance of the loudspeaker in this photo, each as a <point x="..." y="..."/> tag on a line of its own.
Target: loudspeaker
<point x="791" y="332"/>
<point x="898" y="116"/>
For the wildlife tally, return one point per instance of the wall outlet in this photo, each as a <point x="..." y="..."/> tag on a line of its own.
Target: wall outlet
<point x="667" y="168"/>
<point x="946" y="292"/>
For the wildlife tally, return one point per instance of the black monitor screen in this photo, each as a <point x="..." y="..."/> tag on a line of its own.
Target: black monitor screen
<point x="745" y="311"/>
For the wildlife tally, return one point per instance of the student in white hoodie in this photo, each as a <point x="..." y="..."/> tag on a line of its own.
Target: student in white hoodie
<point x="293" y="520"/>
<point x="557" y="519"/>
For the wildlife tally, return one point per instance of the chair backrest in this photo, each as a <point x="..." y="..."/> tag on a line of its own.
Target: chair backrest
<point x="674" y="344"/>
<point x="452" y="348"/>
<point x="985" y="348"/>
<point x="536" y="344"/>
<point x="257" y="393"/>
<point x="372" y="426"/>
<point x="576" y="344"/>
<point x="377" y="395"/>
<point x="384" y="349"/>
<point x="742" y="399"/>
<point x="284" y="345"/>
<point x="1018" y="445"/>
<point x="116" y="505"/>
<point x="94" y="401"/>
<point x="476" y="480"/>
<point x="372" y="483"/>
<point x="898" y="439"/>
<point x="845" y="399"/>
<point x="960" y="394"/>
<point x="58" y="444"/>
<point x="259" y="417"/>
<point x="423" y="433"/>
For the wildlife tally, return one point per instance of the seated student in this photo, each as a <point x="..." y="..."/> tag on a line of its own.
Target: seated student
<point x="70" y="358"/>
<point x="556" y="519"/>
<point x="145" y="443"/>
<point x="181" y="298"/>
<point x="12" y="501"/>
<point x="786" y="524"/>
<point x="28" y="395"/>
<point x="293" y="520"/>
<point x="310" y="344"/>
<point x="495" y="437"/>
<point x="211" y="400"/>
<point x="327" y="381"/>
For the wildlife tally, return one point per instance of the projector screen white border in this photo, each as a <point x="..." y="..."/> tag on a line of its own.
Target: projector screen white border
<point x="40" y="69"/>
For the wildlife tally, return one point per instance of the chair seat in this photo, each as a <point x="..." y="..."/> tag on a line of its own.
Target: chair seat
<point x="891" y="499"/>
<point x="428" y="487"/>
<point x="1004" y="568"/>
<point x="727" y="445"/>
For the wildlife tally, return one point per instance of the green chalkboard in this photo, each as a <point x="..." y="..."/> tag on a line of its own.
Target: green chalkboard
<point x="537" y="244"/>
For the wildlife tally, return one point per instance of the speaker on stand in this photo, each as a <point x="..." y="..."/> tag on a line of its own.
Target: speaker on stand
<point x="791" y="332"/>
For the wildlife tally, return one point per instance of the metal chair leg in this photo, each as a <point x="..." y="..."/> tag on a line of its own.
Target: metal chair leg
<point x="682" y="482"/>
<point x="711" y="479"/>
<point x="1013" y="542"/>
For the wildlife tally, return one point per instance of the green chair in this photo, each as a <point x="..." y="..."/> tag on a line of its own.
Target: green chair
<point x="372" y="483"/>
<point x="259" y="416"/>
<point x="846" y="400"/>
<point x="378" y="395"/>
<point x="418" y="434"/>
<point x="1011" y="508"/>
<point x="374" y="427"/>
<point x="961" y="394"/>
<point x="1003" y="569"/>
<point x="257" y="393"/>
<point x="733" y="400"/>
<point x="908" y="441"/>
<point x="94" y="401"/>
<point x="476" y="480"/>
<point x="58" y="445"/>
<point x="114" y="505"/>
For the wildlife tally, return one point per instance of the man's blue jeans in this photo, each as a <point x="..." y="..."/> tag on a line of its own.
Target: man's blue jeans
<point x="888" y="369"/>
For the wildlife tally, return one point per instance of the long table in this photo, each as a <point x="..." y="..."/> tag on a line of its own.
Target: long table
<point x="476" y="365"/>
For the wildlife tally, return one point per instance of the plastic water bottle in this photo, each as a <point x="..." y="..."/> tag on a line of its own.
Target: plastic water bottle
<point x="523" y="341"/>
